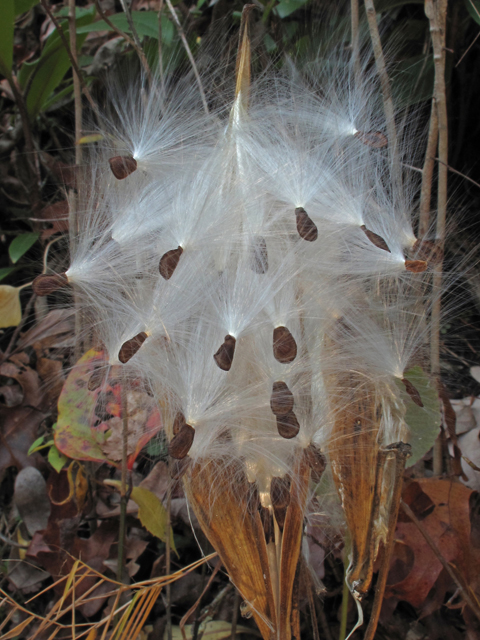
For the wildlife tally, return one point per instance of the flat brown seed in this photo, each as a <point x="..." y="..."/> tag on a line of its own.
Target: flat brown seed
<point x="178" y="422"/>
<point x="130" y="347"/>
<point x="316" y="461"/>
<point x="267" y="523"/>
<point x="428" y="250"/>
<point x="284" y="345"/>
<point x="280" y="516"/>
<point x="224" y="356"/>
<point x="178" y="468"/>
<point x="259" y="255"/>
<point x="306" y="227"/>
<point x="44" y="284"/>
<point x="288" y="426"/>
<point x="373" y="139"/>
<point x="412" y="392"/>
<point x="375" y="239"/>
<point x="253" y="499"/>
<point x="280" y="491"/>
<point x="122" y="166"/>
<point x="281" y="400"/>
<point x="416" y="266"/>
<point x="169" y="262"/>
<point x="181" y="443"/>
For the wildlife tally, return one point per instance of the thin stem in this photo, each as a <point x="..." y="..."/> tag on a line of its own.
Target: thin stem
<point x="168" y="553"/>
<point x="73" y="61"/>
<point x="183" y="38"/>
<point x="354" y="19"/>
<point x="236" y="604"/>
<point x="160" y="45"/>
<point x="427" y="173"/>
<point x="386" y="90"/>
<point x="126" y="10"/>
<point x="123" y="482"/>
<point x="77" y="89"/>
<point x="345" y="592"/>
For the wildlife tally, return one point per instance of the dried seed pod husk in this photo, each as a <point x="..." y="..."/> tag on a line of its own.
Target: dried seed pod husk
<point x="281" y="400"/>
<point x="316" y="461"/>
<point x="169" y="261"/>
<point x="416" y="266"/>
<point x="122" y="166"/>
<point x="253" y="499"/>
<point x="45" y="284"/>
<point x="178" y="468"/>
<point x="259" y="255"/>
<point x="429" y="251"/>
<point x="412" y="392"/>
<point x="375" y="239"/>
<point x="130" y="347"/>
<point x="224" y="356"/>
<point x="181" y="443"/>
<point x="284" y="345"/>
<point x="373" y="139"/>
<point x="306" y="227"/>
<point x="288" y="426"/>
<point x="267" y="523"/>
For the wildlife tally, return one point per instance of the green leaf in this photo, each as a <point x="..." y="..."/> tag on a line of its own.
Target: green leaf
<point x="424" y="423"/>
<point x="286" y="7"/>
<point x="473" y="8"/>
<point x="7" y="18"/>
<point x="56" y="459"/>
<point x="146" y="24"/>
<point x="21" y="244"/>
<point x="22" y="6"/>
<point x="40" y="444"/>
<point x="6" y="271"/>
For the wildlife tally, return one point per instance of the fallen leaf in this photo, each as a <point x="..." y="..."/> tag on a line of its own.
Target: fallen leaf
<point x="10" y="307"/>
<point x="59" y="322"/>
<point x="31" y="499"/>
<point x="57" y="214"/>
<point x="211" y="629"/>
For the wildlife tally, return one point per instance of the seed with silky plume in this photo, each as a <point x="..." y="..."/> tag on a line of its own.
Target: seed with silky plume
<point x="287" y="425"/>
<point x="316" y="461"/>
<point x="284" y="345"/>
<point x="412" y="392"/>
<point x="181" y="443"/>
<point x="45" y="284"/>
<point x="416" y="266"/>
<point x="375" y="239"/>
<point x="259" y="255"/>
<point x="373" y="139"/>
<point x="122" y="166"/>
<point x="169" y="261"/>
<point x="130" y="347"/>
<point x="281" y="400"/>
<point x="178" y="468"/>
<point x="428" y="250"/>
<point x="306" y="227"/>
<point x="224" y="356"/>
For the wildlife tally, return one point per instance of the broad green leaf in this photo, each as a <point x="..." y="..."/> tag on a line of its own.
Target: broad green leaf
<point x="6" y="271"/>
<point x="21" y="244"/>
<point x="424" y="423"/>
<point x="10" y="307"/>
<point x="286" y="7"/>
<point x="473" y="8"/>
<point x="21" y="6"/>
<point x="39" y="444"/>
<point x="146" y="24"/>
<point x="56" y="458"/>
<point x="7" y="18"/>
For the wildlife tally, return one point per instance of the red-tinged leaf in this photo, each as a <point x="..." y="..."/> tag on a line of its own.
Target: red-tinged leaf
<point x="90" y="422"/>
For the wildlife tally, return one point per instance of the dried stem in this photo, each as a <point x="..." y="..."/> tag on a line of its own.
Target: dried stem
<point x="236" y="604"/>
<point x="183" y="38"/>
<point x="168" y="553"/>
<point x="138" y="49"/>
<point x="123" y="482"/>
<point x="354" y="19"/>
<point x="77" y="89"/>
<point x="160" y="45"/>
<point x="469" y="599"/>
<point x="386" y="90"/>
<point x="427" y="173"/>
<point x="72" y="58"/>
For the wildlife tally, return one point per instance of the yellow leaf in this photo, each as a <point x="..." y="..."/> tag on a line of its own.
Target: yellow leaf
<point x="152" y="513"/>
<point x="10" y="308"/>
<point x="94" y="137"/>
<point x="211" y="629"/>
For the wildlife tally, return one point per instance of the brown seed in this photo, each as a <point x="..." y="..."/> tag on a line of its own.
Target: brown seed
<point x="412" y="392"/>
<point x="284" y="345"/>
<point x="416" y="266"/>
<point x="287" y="425"/>
<point x="306" y="227"/>
<point x="253" y="500"/>
<point x="181" y="443"/>
<point x="316" y="461"/>
<point x="224" y="356"/>
<point x="259" y="255"/>
<point x="281" y="400"/>
<point x="178" y="468"/>
<point x="178" y="422"/>
<point x="280" y="491"/>
<point x="44" y="284"/>
<point x="96" y="378"/>
<point x="169" y="262"/>
<point x="267" y="523"/>
<point x="374" y="139"/>
<point x="375" y="239"/>
<point x="130" y="347"/>
<point x="428" y="250"/>
<point x="122" y="166"/>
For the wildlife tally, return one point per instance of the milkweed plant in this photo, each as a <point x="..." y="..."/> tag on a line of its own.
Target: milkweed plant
<point x="257" y="266"/>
